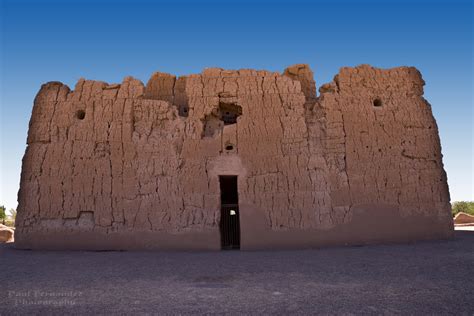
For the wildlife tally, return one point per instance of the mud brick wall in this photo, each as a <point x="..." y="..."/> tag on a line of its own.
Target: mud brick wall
<point x="129" y="166"/>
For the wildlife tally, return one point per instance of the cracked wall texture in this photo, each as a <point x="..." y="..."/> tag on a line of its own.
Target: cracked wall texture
<point x="118" y="159"/>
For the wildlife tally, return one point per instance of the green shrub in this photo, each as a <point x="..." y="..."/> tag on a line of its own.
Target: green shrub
<point x="462" y="206"/>
<point x="3" y="215"/>
<point x="5" y="219"/>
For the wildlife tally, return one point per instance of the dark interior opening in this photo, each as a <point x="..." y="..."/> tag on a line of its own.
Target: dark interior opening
<point x="81" y="114"/>
<point x="230" y="222"/>
<point x="229" y="112"/>
<point x="229" y="193"/>
<point x="377" y="102"/>
<point x="226" y="114"/>
<point x="183" y="111"/>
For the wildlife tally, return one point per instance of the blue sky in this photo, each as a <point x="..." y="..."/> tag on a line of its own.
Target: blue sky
<point x="107" y="40"/>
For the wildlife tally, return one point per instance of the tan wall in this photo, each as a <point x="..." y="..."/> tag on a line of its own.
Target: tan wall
<point x="134" y="174"/>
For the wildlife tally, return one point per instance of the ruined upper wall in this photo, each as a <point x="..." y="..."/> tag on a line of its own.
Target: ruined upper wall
<point x="391" y="146"/>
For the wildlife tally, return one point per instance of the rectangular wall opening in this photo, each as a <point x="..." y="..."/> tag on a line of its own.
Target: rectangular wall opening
<point x="230" y="220"/>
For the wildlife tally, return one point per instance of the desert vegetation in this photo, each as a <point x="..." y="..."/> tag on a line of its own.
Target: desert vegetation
<point x="7" y="219"/>
<point x="463" y="206"/>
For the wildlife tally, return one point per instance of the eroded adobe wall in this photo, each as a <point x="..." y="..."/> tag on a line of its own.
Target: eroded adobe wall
<point x="128" y="166"/>
<point x="382" y="157"/>
<point x="392" y="149"/>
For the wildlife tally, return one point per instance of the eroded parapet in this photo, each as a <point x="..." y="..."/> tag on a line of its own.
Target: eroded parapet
<point x="303" y="74"/>
<point x="392" y="151"/>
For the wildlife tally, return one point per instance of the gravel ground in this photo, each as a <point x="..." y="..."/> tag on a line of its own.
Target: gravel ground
<point x="433" y="277"/>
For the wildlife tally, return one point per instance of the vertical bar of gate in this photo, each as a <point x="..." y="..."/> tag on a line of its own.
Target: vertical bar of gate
<point x="227" y="226"/>
<point x="231" y="229"/>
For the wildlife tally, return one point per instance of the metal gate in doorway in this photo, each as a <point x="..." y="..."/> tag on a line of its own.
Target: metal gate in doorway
<point x="230" y="219"/>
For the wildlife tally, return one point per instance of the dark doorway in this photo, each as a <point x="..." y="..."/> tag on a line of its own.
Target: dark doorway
<point x="229" y="225"/>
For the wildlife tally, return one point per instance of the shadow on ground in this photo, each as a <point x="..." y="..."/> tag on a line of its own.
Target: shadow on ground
<point x="432" y="277"/>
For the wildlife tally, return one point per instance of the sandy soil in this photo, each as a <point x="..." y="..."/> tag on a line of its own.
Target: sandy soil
<point x="422" y="278"/>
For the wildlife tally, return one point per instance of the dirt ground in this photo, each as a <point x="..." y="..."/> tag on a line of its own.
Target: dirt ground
<point x="434" y="277"/>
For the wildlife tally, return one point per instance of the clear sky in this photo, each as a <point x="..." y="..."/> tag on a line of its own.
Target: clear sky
<point x="107" y="40"/>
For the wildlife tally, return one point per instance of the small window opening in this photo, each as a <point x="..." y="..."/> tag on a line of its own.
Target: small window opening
<point x="377" y="103"/>
<point x="183" y="111"/>
<point x="229" y="147"/>
<point x="81" y="114"/>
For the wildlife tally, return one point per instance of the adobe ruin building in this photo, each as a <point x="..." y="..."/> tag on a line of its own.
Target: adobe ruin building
<point x="229" y="159"/>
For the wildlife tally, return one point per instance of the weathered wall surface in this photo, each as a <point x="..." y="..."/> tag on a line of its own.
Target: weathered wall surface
<point x="128" y="166"/>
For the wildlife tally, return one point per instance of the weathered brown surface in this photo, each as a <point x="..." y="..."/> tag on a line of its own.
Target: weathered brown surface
<point x="6" y="233"/>
<point x="140" y="170"/>
<point x="462" y="218"/>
